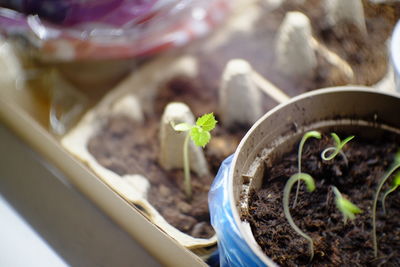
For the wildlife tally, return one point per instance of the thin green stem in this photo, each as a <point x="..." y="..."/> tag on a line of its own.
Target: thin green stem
<point x="334" y="154"/>
<point x="307" y="135"/>
<point x="303" y="140"/>
<point x="384" y="197"/>
<point x="186" y="167"/>
<point x="381" y="183"/>
<point x="286" y="193"/>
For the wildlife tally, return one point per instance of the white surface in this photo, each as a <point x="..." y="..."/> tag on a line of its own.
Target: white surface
<point x="72" y="226"/>
<point x="395" y="54"/>
<point x="20" y="245"/>
<point x="172" y="142"/>
<point x="295" y="55"/>
<point x="240" y="99"/>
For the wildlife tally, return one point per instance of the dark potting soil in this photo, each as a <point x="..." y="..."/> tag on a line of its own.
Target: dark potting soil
<point x="367" y="55"/>
<point x="335" y="243"/>
<point x="128" y="147"/>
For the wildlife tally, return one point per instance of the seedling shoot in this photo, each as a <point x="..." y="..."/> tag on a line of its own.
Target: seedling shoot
<point x="381" y="183"/>
<point x="345" y="206"/>
<point x="200" y="135"/>
<point x="286" y="192"/>
<point x="307" y="135"/>
<point x="339" y="144"/>
<point x="395" y="183"/>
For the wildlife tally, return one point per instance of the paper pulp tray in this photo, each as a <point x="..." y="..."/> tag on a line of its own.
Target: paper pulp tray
<point x="27" y="117"/>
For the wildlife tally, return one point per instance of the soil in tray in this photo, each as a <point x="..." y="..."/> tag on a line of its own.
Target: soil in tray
<point x="128" y="147"/>
<point x="335" y="243"/>
<point x="367" y="55"/>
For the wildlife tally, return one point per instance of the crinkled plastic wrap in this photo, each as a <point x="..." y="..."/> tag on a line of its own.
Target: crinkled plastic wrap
<point x="67" y="30"/>
<point x="233" y="250"/>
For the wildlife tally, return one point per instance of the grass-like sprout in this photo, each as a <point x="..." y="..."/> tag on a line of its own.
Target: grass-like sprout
<point x="381" y="183"/>
<point x="395" y="183"/>
<point x="200" y="135"/>
<point x="345" y="206"/>
<point x="286" y="192"/>
<point x="307" y="135"/>
<point x="337" y="149"/>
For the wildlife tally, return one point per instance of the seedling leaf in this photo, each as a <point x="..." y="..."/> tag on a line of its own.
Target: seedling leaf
<point x="199" y="136"/>
<point x="346" y="140"/>
<point x="207" y="122"/>
<point x="336" y="138"/>
<point x="345" y="206"/>
<point x="182" y="127"/>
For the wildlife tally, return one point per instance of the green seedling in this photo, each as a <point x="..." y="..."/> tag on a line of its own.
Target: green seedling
<point x="345" y="206"/>
<point x="395" y="183"/>
<point x="286" y="192"/>
<point x="337" y="149"/>
<point x="381" y="183"/>
<point x="200" y="135"/>
<point x="307" y="135"/>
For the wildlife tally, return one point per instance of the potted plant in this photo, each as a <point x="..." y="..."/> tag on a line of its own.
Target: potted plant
<point x="267" y="157"/>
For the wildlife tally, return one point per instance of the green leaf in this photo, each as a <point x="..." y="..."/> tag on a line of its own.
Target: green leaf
<point x="396" y="180"/>
<point x="348" y="209"/>
<point x="345" y="206"/>
<point x="310" y="184"/>
<point x="336" y="138"/>
<point x="182" y="127"/>
<point x="345" y="141"/>
<point x="207" y="122"/>
<point x="314" y="134"/>
<point x="339" y="143"/>
<point x="199" y="136"/>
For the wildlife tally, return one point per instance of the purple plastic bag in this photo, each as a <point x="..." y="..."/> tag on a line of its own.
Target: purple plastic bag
<point x="73" y="12"/>
<point x="71" y="30"/>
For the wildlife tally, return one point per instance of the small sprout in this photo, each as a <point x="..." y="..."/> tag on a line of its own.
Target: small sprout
<point x="345" y="206"/>
<point x="286" y="192"/>
<point x="395" y="184"/>
<point x="336" y="149"/>
<point x="200" y="135"/>
<point x="381" y="183"/>
<point x="307" y="135"/>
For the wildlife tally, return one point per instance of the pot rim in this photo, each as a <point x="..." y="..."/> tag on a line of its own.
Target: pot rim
<point x="254" y="246"/>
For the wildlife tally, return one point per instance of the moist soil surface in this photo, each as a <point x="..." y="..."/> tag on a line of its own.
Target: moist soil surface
<point x="335" y="242"/>
<point x="367" y="55"/>
<point x="128" y="147"/>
